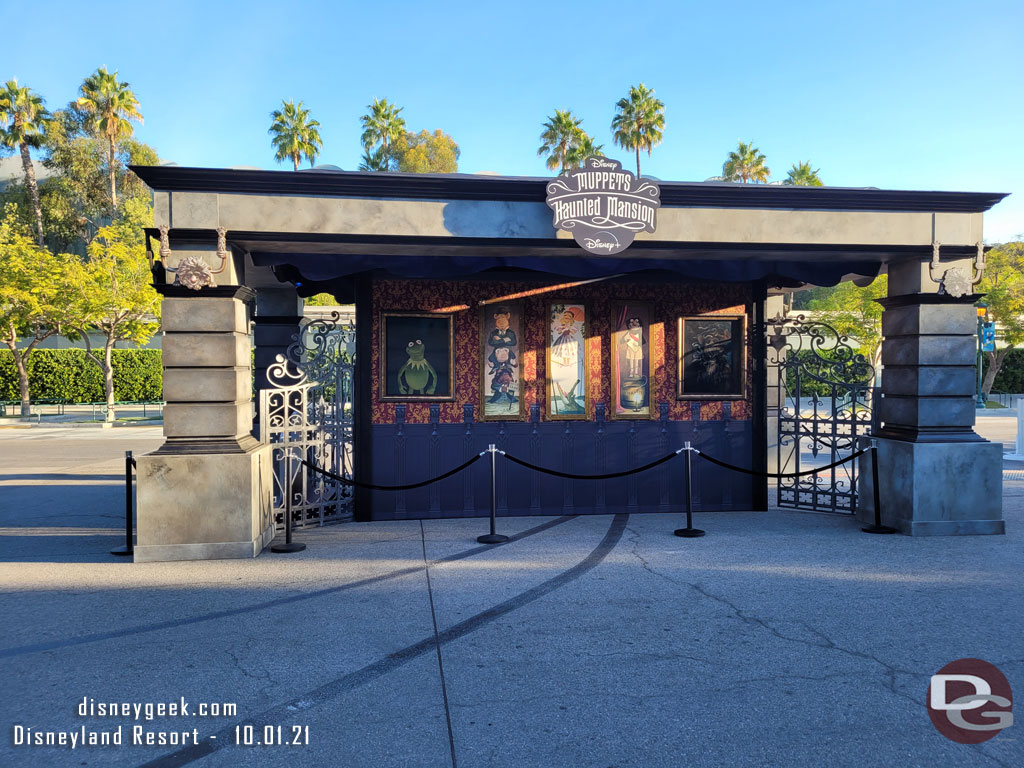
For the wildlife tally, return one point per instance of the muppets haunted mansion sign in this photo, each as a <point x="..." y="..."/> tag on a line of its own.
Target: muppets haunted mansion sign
<point x="603" y="206"/>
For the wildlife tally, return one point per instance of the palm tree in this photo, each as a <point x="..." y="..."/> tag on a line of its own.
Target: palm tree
<point x="382" y="124"/>
<point x="24" y="120"/>
<point x="561" y="137"/>
<point x="295" y="135"/>
<point x="802" y="175"/>
<point x="111" y="107"/>
<point x="639" y="122"/>
<point x="374" y="160"/>
<point x="584" y="148"/>
<point x="746" y="164"/>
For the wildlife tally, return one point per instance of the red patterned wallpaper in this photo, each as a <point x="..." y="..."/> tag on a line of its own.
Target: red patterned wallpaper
<point x="669" y="301"/>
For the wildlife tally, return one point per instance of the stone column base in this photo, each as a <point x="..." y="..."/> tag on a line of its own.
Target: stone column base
<point x="204" y="506"/>
<point x="934" y="489"/>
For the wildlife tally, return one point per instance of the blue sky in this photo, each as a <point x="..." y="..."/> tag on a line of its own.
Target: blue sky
<point x="905" y="95"/>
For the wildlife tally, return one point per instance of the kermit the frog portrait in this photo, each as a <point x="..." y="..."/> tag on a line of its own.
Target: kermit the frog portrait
<point x="417" y="376"/>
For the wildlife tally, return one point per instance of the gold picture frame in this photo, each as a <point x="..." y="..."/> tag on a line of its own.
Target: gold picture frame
<point x="712" y="359"/>
<point x="402" y="365"/>
<point x="630" y="352"/>
<point x="502" y="344"/>
<point x="567" y="396"/>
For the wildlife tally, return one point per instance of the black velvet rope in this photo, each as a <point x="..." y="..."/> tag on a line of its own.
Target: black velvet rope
<point x="607" y="476"/>
<point x="780" y="476"/>
<point x="374" y="487"/>
<point x="571" y="476"/>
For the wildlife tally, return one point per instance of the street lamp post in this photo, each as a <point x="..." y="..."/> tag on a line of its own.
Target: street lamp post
<point x="982" y="309"/>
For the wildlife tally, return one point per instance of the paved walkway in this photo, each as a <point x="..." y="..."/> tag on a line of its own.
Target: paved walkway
<point x="780" y="639"/>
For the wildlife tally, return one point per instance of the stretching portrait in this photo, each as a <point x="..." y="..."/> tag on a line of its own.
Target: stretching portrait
<point x="501" y="378"/>
<point x="567" y="361"/>
<point x="631" y="361"/>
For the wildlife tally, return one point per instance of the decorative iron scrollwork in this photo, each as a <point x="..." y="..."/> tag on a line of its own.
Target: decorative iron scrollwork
<point x="307" y="411"/>
<point x="832" y="357"/>
<point x="822" y="407"/>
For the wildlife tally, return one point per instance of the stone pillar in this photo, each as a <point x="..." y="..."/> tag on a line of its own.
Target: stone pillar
<point x="937" y="476"/>
<point x="205" y="493"/>
<point x="278" y="314"/>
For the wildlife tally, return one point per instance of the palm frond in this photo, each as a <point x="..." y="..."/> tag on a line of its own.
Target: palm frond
<point x="294" y="135"/>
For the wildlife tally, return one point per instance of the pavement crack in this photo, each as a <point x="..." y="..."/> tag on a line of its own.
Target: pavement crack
<point x="823" y="641"/>
<point x="826" y="643"/>
<point x="264" y="676"/>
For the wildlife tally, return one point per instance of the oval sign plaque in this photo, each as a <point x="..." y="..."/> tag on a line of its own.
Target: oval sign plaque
<point x="603" y="205"/>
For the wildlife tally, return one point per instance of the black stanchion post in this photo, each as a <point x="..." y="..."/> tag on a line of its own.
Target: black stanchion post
<point x="128" y="548"/>
<point x="289" y="545"/>
<point x="877" y="527"/>
<point x="493" y="537"/>
<point x="689" y="532"/>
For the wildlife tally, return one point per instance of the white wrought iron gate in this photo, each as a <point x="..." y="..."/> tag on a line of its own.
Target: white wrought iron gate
<point x="306" y="413"/>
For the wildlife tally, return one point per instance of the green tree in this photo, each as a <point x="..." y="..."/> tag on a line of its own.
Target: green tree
<point x="802" y="299"/>
<point x="746" y="164"/>
<point x="383" y="125"/>
<point x="584" y="149"/>
<point x="75" y="198"/>
<point x="560" y="139"/>
<point x="853" y="312"/>
<point x="33" y="295"/>
<point x="639" y="122"/>
<point x="111" y="294"/>
<point x="295" y="135"/>
<point x="802" y="175"/>
<point x="321" y="300"/>
<point x="23" y="123"/>
<point x="375" y="160"/>
<point x="111" y="106"/>
<point x="425" y="152"/>
<point x="1003" y="286"/>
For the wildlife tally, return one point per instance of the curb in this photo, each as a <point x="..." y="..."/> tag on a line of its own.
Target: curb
<point x="82" y="425"/>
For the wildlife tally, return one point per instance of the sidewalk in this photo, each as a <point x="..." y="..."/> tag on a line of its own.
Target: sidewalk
<point x="781" y="638"/>
<point x="82" y="416"/>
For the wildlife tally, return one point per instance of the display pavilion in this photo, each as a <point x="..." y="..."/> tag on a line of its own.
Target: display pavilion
<point x="418" y="254"/>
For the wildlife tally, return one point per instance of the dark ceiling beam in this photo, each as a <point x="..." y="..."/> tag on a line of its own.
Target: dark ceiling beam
<point x="282" y="243"/>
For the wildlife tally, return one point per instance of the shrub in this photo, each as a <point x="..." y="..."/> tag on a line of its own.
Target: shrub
<point x="1011" y="374"/>
<point x="67" y="374"/>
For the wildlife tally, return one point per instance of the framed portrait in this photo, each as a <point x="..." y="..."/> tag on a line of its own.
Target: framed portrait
<point x="501" y="364"/>
<point x="712" y="357"/>
<point x="566" y="368"/>
<point x="631" y="361"/>
<point x="416" y="357"/>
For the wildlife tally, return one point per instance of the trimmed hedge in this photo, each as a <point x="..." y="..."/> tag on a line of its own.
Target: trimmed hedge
<point x="1011" y="374"/>
<point x="67" y="374"/>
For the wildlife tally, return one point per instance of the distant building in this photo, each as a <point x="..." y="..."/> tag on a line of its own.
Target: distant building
<point x="11" y="169"/>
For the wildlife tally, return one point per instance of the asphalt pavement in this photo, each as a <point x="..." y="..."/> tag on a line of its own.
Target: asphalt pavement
<point x="782" y="638"/>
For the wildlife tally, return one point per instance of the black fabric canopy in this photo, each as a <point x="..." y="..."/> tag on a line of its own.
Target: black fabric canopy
<point x="311" y="271"/>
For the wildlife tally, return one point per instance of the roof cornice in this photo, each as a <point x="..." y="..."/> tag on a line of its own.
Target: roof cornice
<point x="428" y="186"/>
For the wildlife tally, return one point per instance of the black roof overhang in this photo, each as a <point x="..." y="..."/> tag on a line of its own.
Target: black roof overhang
<point x="416" y="186"/>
